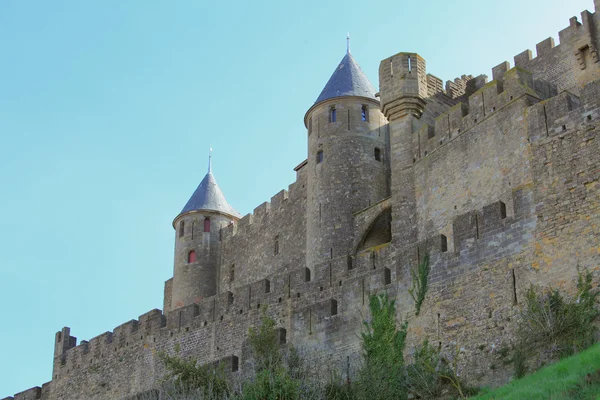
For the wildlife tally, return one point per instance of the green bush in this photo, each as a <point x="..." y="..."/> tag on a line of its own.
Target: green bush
<point x="382" y="376"/>
<point x="186" y="376"/>
<point x="274" y="384"/>
<point x="559" y="325"/>
<point x="420" y="283"/>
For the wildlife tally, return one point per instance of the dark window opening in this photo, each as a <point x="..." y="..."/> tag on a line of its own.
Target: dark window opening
<point x="364" y="113"/>
<point x="334" y="307"/>
<point x="443" y="243"/>
<point x="319" y="156"/>
<point x="234" y="364"/>
<point x="306" y="275"/>
<point x="267" y="286"/>
<point x="229" y="298"/>
<point x="502" y="210"/>
<point x="232" y="273"/>
<point x="206" y="224"/>
<point x="332" y="114"/>
<point x="191" y="257"/>
<point x="282" y="336"/>
<point x="387" y="276"/>
<point x="349" y="262"/>
<point x="377" y="154"/>
<point x="276" y="246"/>
<point x="181" y="228"/>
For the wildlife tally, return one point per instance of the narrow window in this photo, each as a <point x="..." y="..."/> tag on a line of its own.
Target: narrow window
<point x="364" y="113"/>
<point x="191" y="257"/>
<point x="206" y="224"/>
<point x="387" y="276"/>
<point x="332" y="114"/>
<point x="409" y="65"/>
<point x="443" y="243"/>
<point x="282" y="336"/>
<point x="232" y="273"/>
<point x="502" y="210"/>
<point x="319" y="156"/>
<point x="333" y="307"/>
<point x="181" y="228"/>
<point x="276" y="247"/>
<point x="377" y="154"/>
<point x="306" y="275"/>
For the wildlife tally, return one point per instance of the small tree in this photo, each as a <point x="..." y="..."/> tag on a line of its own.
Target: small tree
<point x="555" y="324"/>
<point x="420" y="283"/>
<point x="383" y="344"/>
<point x="273" y="380"/>
<point x="187" y="376"/>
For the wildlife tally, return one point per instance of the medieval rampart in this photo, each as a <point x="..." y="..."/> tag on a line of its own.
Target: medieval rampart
<point x="506" y="194"/>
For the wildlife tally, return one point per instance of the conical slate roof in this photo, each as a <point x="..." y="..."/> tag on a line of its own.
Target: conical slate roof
<point x="208" y="196"/>
<point x="347" y="80"/>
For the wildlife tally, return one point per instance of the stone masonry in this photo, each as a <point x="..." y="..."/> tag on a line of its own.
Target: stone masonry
<point x="497" y="181"/>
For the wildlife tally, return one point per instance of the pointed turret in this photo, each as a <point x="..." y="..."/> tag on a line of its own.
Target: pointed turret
<point x="209" y="197"/>
<point x="348" y="79"/>
<point x="197" y="243"/>
<point x="346" y="169"/>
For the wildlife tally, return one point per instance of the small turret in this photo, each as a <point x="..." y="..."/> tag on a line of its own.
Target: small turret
<point x="403" y="84"/>
<point x="197" y="244"/>
<point x="347" y="161"/>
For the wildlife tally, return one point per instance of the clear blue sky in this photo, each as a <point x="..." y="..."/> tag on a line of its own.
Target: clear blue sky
<point x="108" y="108"/>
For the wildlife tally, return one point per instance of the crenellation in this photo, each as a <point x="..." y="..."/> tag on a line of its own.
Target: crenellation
<point x="260" y="211"/>
<point x="30" y="394"/>
<point x="499" y="70"/>
<point x="278" y="200"/>
<point x="497" y="182"/>
<point x="544" y="47"/>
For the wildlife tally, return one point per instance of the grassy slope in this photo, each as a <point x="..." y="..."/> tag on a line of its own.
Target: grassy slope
<point x="567" y="379"/>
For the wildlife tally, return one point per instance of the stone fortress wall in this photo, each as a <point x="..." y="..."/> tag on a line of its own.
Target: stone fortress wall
<point x="497" y="181"/>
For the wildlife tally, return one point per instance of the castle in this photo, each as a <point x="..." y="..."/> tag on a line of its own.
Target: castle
<point x="498" y="182"/>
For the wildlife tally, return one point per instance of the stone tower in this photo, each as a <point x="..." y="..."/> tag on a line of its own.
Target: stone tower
<point x="347" y="161"/>
<point x="403" y="85"/>
<point x="197" y="243"/>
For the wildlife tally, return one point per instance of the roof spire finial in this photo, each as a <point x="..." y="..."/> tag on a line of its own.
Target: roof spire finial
<point x="348" y="43"/>
<point x="209" y="160"/>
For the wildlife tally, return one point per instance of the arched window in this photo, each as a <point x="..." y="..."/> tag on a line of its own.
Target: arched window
<point x="181" y="228"/>
<point x="276" y="247"/>
<point x="191" y="257"/>
<point x="206" y="224"/>
<point x="377" y="154"/>
<point x="332" y="114"/>
<point x="364" y="113"/>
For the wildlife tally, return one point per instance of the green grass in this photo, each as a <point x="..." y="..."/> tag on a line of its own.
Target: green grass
<point x="576" y="377"/>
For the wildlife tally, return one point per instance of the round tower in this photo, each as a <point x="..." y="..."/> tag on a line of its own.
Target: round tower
<point x="347" y="161"/>
<point x="197" y="243"/>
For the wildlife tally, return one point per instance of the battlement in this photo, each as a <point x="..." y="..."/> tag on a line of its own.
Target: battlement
<point x="281" y="199"/>
<point x="124" y="335"/>
<point x="511" y="86"/>
<point x="567" y="64"/>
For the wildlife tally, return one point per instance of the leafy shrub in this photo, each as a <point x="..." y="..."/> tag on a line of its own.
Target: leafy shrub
<point x="383" y="344"/>
<point x="559" y="325"/>
<point x="420" y="283"/>
<point x="186" y="376"/>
